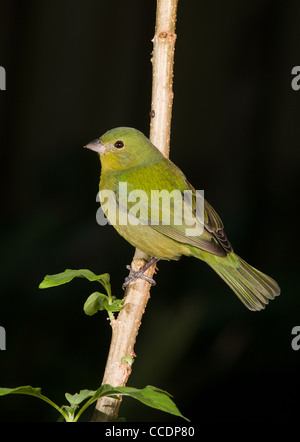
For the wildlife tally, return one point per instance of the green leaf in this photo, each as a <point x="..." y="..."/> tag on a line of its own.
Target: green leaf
<point x="32" y="391"/>
<point x="151" y="396"/>
<point x="77" y="398"/>
<point x="95" y="302"/>
<point x="70" y="409"/>
<point x="98" y="301"/>
<point x="27" y="389"/>
<point x="69" y="274"/>
<point x="115" y="305"/>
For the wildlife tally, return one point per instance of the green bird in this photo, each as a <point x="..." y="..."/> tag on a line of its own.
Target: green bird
<point x="131" y="163"/>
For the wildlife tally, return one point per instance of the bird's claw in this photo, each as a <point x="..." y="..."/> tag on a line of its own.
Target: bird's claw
<point x="135" y="275"/>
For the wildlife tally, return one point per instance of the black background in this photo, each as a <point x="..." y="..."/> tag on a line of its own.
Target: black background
<point x="75" y="70"/>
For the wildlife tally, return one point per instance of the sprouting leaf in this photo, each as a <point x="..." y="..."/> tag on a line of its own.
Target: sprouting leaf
<point x="98" y="301"/>
<point x="115" y="305"/>
<point x="127" y="359"/>
<point x="95" y="302"/>
<point x="77" y="398"/>
<point x="70" y="409"/>
<point x="69" y="274"/>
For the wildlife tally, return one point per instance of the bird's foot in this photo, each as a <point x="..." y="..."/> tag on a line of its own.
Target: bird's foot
<point x="135" y="275"/>
<point x="140" y="274"/>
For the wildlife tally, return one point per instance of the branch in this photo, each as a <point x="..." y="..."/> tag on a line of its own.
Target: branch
<point x="125" y="328"/>
<point x="162" y="76"/>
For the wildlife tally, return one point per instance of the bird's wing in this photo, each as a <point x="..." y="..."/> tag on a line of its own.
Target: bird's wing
<point x="208" y="232"/>
<point x="195" y="222"/>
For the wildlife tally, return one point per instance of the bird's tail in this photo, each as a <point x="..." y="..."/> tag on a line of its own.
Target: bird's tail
<point x="253" y="287"/>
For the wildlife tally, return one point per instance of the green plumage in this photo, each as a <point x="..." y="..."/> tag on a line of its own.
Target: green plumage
<point x="127" y="156"/>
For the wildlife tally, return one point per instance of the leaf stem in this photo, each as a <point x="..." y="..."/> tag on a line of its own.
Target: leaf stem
<point x="50" y="402"/>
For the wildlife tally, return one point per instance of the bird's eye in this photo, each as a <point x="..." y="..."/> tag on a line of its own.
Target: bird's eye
<point x="119" y="144"/>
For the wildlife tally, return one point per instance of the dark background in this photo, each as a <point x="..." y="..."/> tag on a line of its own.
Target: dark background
<point x="75" y="70"/>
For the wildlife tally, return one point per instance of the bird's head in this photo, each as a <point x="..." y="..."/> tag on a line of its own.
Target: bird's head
<point x="122" y="148"/>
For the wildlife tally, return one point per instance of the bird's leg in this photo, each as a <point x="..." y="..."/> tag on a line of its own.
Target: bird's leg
<point x="140" y="273"/>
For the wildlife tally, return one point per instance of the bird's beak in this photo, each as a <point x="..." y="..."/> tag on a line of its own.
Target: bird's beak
<point x="96" y="146"/>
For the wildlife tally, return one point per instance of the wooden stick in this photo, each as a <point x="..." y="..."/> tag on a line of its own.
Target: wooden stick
<point x="125" y="328"/>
